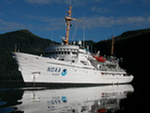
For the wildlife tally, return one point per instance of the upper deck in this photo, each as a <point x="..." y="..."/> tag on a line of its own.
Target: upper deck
<point x="61" y="50"/>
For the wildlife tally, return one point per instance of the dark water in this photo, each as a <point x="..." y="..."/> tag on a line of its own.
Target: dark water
<point x="97" y="99"/>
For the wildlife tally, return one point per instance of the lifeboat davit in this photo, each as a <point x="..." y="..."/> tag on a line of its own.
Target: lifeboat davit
<point x="99" y="59"/>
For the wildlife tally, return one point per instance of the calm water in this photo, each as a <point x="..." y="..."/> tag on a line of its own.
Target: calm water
<point x="97" y="99"/>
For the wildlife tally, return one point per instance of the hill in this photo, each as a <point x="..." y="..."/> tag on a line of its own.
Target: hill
<point x="26" y="42"/>
<point x="133" y="46"/>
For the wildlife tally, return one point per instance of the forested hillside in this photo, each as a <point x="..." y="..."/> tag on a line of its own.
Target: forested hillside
<point x="26" y="42"/>
<point x="133" y="47"/>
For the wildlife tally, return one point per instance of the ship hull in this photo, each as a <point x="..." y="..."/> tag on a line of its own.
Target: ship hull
<point x="38" y="69"/>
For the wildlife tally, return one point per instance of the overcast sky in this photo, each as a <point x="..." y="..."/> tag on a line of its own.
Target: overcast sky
<point x="101" y="18"/>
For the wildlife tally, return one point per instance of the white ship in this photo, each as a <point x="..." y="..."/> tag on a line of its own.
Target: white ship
<point x="68" y="64"/>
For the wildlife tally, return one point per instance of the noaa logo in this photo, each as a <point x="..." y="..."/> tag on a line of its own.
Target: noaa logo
<point x="64" y="99"/>
<point x="64" y="72"/>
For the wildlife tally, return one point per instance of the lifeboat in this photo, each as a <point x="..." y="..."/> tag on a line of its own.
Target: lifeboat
<point x="101" y="110"/>
<point x="99" y="59"/>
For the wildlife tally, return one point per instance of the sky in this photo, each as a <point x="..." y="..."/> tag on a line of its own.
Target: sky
<point x="100" y="18"/>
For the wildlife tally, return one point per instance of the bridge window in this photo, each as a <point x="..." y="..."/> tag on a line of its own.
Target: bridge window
<point x="84" y="63"/>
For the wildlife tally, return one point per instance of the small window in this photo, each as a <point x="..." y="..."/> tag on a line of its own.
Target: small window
<point x="74" y="52"/>
<point x="84" y="63"/>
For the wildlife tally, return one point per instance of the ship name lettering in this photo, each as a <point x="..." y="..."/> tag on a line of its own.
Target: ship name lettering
<point x="53" y="69"/>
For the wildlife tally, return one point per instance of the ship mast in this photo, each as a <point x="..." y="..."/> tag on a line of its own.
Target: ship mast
<point x="68" y="20"/>
<point x="112" y="46"/>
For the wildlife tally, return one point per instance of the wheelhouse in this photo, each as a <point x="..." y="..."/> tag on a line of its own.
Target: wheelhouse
<point x="63" y="52"/>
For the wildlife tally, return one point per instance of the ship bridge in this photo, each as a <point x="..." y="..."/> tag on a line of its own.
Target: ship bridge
<point x="63" y="52"/>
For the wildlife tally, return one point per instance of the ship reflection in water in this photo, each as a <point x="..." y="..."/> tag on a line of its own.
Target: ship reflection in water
<point x="100" y="99"/>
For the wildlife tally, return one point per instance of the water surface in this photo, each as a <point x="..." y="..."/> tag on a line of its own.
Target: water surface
<point x="96" y="99"/>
